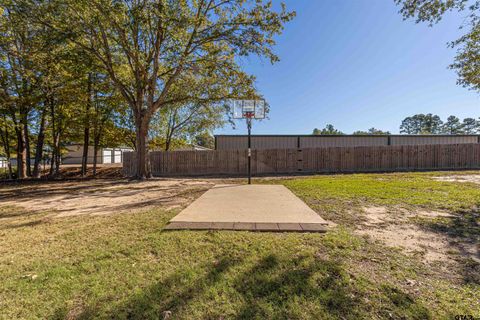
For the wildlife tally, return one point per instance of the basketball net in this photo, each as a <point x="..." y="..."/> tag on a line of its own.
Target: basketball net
<point x="248" y="115"/>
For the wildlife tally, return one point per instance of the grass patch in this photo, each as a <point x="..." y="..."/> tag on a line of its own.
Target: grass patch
<point x="125" y="267"/>
<point x="390" y="189"/>
<point x="337" y="196"/>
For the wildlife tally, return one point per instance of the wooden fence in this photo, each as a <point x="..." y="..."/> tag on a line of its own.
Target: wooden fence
<point x="322" y="160"/>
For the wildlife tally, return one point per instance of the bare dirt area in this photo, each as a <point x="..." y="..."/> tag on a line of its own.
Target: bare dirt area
<point x="471" y="178"/>
<point x="396" y="227"/>
<point x="68" y="198"/>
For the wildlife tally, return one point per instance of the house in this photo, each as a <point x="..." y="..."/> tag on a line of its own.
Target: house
<point x="74" y="154"/>
<point x="3" y="162"/>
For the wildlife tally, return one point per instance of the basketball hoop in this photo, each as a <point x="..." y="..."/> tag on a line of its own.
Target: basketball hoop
<point x="249" y="110"/>
<point x="248" y="115"/>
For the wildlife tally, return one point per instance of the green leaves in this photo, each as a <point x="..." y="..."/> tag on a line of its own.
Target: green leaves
<point x="431" y="10"/>
<point x="467" y="60"/>
<point x="160" y="55"/>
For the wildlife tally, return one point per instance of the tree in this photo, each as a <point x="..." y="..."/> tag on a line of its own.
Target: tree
<point x="18" y="44"/>
<point x="51" y="93"/>
<point x="187" y="121"/>
<point x="410" y="125"/>
<point x="328" y="130"/>
<point x="452" y="126"/>
<point x="155" y="52"/>
<point x="432" y="124"/>
<point x="372" y="131"/>
<point x="107" y="106"/>
<point x="205" y="139"/>
<point x="422" y="124"/>
<point x="86" y="122"/>
<point x="470" y="126"/>
<point x="7" y="141"/>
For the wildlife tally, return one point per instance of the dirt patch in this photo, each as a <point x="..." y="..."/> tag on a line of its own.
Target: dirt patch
<point x="433" y="214"/>
<point x="103" y="196"/>
<point x="473" y="178"/>
<point x="412" y="240"/>
<point x="375" y="215"/>
<point x="396" y="228"/>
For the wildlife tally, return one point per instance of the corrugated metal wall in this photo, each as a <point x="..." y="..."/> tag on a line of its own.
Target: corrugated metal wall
<point x="259" y="142"/>
<point x="345" y="141"/>
<point x="422" y="140"/>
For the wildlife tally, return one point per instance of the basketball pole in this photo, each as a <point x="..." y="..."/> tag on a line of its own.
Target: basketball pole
<point x="249" y="127"/>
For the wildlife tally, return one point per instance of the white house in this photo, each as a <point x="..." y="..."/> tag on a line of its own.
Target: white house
<point x="3" y="162"/>
<point x="105" y="155"/>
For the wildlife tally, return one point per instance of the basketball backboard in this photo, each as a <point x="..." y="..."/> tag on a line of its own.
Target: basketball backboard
<point x="249" y="109"/>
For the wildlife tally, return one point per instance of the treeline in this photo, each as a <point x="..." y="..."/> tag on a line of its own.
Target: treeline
<point x="52" y="95"/>
<point x="433" y="124"/>
<point x="146" y="74"/>
<point x="418" y="124"/>
<point x="331" y="130"/>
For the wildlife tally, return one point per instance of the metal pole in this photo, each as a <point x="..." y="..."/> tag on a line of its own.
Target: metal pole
<point x="249" y="126"/>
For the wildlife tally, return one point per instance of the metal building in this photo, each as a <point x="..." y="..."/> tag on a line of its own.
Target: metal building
<point x="233" y="142"/>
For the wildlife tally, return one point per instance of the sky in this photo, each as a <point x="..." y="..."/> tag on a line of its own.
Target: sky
<point x="357" y="64"/>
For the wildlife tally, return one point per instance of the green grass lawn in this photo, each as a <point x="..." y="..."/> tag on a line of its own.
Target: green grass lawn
<point x="124" y="266"/>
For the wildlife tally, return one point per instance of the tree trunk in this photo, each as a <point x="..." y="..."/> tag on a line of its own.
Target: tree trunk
<point x="86" y="139"/>
<point x="96" y="143"/>
<point x="52" y="162"/>
<point x="26" y="145"/>
<point x="5" y="135"/>
<point x="142" y="170"/>
<point x="55" y="162"/>
<point x="86" y="131"/>
<point x="39" y="147"/>
<point x="169" y="133"/>
<point x="167" y="144"/>
<point x="9" y="165"/>
<point x="168" y="140"/>
<point x="56" y="147"/>
<point x="21" y="154"/>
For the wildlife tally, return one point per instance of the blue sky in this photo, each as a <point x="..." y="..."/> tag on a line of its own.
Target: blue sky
<point x="356" y="64"/>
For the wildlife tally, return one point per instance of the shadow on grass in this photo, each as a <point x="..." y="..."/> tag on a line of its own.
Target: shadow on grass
<point x="273" y="287"/>
<point x="14" y="212"/>
<point x="291" y="287"/>
<point x="27" y="224"/>
<point x="16" y="217"/>
<point x="402" y="305"/>
<point x="463" y="232"/>
<point x="171" y="295"/>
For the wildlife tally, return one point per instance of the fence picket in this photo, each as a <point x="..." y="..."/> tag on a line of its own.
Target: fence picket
<point x="326" y="160"/>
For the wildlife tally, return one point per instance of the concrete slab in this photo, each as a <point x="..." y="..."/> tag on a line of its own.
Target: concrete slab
<point x="249" y="203"/>
<point x="222" y="225"/>
<point x="313" y="227"/>
<point x="266" y="227"/>
<point x="189" y="225"/>
<point x="249" y="207"/>
<point x="290" y="227"/>
<point x="244" y="226"/>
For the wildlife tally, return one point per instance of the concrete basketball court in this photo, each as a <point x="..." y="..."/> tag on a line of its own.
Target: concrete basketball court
<point x="248" y="207"/>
